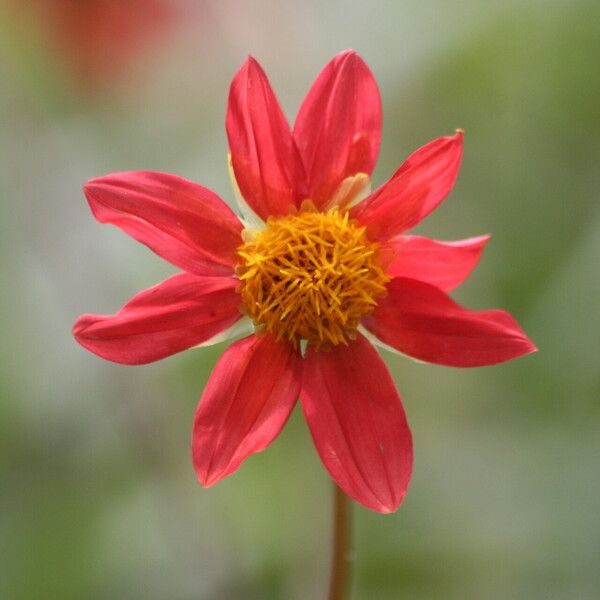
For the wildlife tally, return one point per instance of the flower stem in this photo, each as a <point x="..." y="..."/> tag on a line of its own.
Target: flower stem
<point x="339" y="579"/>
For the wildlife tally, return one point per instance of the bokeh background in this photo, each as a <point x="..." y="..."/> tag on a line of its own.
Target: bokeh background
<point x="98" y="496"/>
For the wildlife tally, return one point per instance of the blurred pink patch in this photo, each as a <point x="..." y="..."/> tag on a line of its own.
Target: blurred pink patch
<point x="98" y="40"/>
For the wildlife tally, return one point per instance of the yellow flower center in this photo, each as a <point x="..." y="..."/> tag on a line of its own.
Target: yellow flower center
<point x="311" y="276"/>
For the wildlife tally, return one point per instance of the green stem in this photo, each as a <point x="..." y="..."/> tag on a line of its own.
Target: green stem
<point x="339" y="580"/>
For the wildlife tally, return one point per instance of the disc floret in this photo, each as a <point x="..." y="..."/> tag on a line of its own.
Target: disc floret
<point x="311" y="276"/>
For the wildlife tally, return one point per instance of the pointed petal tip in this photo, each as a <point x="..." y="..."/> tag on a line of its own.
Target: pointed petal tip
<point x="527" y="348"/>
<point x="208" y="480"/>
<point x="245" y="68"/>
<point x="477" y="240"/>
<point x="79" y="327"/>
<point x="531" y="347"/>
<point x="350" y="59"/>
<point x="105" y="182"/>
<point x="389" y="509"/>
<point x="527" y="345"/>
<point x="251" y="66"/>
<point x="391" y="506"/>
<point x="458" y="140"/>
<point x="90" y="185"/>
<point x="96" y="182"/>
<point x="349" y="53"/>
<point x="458" y="137"/>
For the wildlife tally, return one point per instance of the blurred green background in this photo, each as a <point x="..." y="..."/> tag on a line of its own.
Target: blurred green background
<point x="98" y="497"/>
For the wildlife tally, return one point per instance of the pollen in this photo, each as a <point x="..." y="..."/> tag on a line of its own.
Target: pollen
<point x="311" y="276"/>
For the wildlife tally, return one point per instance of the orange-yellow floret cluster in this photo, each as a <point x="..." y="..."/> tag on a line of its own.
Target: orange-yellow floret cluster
<point x="311" y="276"/>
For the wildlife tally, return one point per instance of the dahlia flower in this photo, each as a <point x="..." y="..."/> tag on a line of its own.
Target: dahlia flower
<point x="316" y="271"/>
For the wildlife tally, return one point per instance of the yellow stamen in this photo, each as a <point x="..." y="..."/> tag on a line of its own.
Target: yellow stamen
<point x="311" y="276"/>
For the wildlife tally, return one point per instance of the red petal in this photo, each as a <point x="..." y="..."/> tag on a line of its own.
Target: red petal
<point x="181" y="312"/>
<point x="338" y="127"/>
<point x="415" y="189"/>
<point x="358" y="423"/>
<point x="443" y="264"/>
<point x="265" y="160"/>
<point x="245" y="404"/>
<point x="183" y="222"/>
<point x="421" y="321"/>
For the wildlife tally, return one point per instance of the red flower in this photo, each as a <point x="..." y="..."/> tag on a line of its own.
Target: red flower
<point x="314" y="271"/>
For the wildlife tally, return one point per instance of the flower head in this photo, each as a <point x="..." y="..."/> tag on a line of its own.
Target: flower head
<point x="318" y="267"/>
<point x="311" y="276"/>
